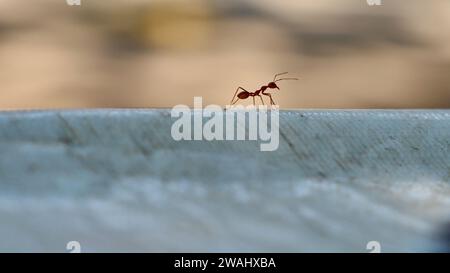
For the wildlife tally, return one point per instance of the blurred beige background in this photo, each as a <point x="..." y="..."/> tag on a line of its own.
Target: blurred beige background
<point x="136" y="53"/>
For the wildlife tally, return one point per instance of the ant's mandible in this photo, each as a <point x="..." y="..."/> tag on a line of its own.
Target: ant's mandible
<point x="244" y="94"/>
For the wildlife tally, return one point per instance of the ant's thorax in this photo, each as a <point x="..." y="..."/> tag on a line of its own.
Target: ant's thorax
<point x="264" y="88"/>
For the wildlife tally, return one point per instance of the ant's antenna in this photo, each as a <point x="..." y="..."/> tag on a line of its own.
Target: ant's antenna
<point x="286" y="79"/>
<point x="274" y="78"/>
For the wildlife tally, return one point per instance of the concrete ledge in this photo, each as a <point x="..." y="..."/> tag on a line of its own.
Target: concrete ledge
<point x="115" y="180"/>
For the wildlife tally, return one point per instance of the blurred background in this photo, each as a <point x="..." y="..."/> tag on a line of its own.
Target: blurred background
<point x="150" y="53"/>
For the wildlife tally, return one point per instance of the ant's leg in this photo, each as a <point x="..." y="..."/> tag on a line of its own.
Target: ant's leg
<point x="254" y="101"/>
<point x="261" y="99"/>
<point x="236" y="93"/>
<point x="232" y="103"/>
<point x="271" y="100"/>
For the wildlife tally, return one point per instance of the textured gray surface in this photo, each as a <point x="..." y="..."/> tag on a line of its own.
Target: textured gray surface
<point x="116" y="181"/>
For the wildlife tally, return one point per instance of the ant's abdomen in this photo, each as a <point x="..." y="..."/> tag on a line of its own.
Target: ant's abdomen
<point x="243" y="95"/>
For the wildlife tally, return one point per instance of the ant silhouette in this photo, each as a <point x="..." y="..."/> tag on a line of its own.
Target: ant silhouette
<point x="244" y="94"/>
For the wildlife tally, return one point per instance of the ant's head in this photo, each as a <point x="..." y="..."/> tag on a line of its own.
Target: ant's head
<point x="273" y="85"/>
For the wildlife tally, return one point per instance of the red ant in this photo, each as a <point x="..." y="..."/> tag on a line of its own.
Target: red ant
<point x="245" y="94"/>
